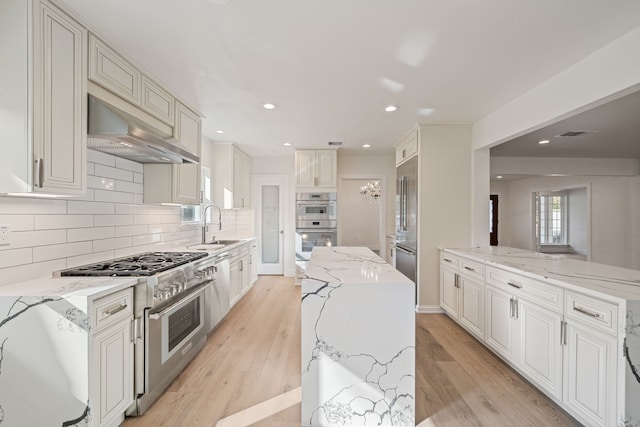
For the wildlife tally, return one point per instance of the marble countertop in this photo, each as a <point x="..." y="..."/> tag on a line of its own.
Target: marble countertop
<point x="589" y="277"/>
<point x="352" y="265"/>
<point x="90" y="287"/>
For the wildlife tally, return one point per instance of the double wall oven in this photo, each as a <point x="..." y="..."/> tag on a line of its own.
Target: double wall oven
<point x="316" y="222"/>
<point x="172" y="313"/>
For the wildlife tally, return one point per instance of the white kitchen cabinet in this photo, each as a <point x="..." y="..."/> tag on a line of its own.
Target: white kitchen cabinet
<point x="462" y="293"/>
<point x="113" y="356"/>
<point x="590" y="373"/>
<point x="44" y="99"/>
<point x="500" y="328"/>
<point x="316" y="169"/>
<point x="539" y="346"/>
<point x="241" y="179"/>
<point x="114" y="73"/>
<point x="235" y="286"/>
<point x="157" y="101"/>
<point x="230" y="177"/>
<point x="253" y="262"/>
<point x="391" y="250"/>
<point x="177" y="183"/>
<point x="407" y="147"/>
<point x="111" y="373"/>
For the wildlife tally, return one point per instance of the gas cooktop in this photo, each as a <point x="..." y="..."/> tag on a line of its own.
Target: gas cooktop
<point x="145" y="264"/>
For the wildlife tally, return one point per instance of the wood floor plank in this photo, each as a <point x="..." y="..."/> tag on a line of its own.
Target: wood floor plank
<point x="255" y="356"/>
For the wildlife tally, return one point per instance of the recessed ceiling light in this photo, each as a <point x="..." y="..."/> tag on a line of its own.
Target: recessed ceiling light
<point x="499" y="177"/>
<point x="390" y="108"/>
<point x="544" y="141"/>
<point x="287" y="144"/>
<point x="366" y="145"/>
<point x="219" y="131"/>
<point x="269" y="106"/>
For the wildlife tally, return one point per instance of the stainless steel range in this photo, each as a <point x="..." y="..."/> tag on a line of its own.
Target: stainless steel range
<point x="171" y="316"/>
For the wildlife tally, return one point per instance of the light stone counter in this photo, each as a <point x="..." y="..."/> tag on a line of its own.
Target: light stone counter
<point x="358" y="341"/>
<point x="618" y="285"/>
<point x="45" y="329"/>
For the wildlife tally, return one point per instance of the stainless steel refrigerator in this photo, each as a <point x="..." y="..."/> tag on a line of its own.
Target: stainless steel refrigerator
<point x="407" y="219"/>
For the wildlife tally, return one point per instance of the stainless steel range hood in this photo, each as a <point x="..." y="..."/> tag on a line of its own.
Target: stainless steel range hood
<point x="113" y="131"/>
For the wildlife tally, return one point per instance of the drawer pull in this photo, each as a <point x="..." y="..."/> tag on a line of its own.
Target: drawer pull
<point x="514" y="284"/>
<point x="587" y="312"/>
<point x="447" y="259"/>
<point x="115" y="310"/>
<point x="469" y="268"/>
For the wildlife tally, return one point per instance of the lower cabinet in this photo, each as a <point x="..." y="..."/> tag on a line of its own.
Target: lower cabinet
<point x="590" y="373"/>
<point x="243" y="270"/>
<point x="253" y="263"/>
<point x="111" y="361"/>
<point x="539" y="348"/>
<point x="564" y="342"/>
<point x="463" y="299"/>
<point x="113" y="368"/>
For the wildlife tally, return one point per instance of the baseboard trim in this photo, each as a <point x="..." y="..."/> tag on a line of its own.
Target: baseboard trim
<point x="429" y="309"/>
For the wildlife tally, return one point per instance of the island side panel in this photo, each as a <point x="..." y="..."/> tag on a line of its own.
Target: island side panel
<point x="631" y="355"/>
<point x="358" y="354"/>
<point x="44" y="363"/>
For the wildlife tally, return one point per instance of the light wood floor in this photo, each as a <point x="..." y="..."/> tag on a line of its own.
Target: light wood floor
<point x="255" y="356"/>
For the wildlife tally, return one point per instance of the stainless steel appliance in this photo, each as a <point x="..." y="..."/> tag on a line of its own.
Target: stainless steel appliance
<point x="316" y="222"/>
<point x="217" y="302"/>
<point x="407" y="219"/>
<point x="113" y="131"/>
<point x="170" y="317"/>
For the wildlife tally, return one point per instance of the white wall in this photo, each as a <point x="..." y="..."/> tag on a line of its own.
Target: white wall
<point x="615" y="215"/>
<point x="363" y="164"/>
<point x="607" y="74"/>
<point x="578" y="220"/>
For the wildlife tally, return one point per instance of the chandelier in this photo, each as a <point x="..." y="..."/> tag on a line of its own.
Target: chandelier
<point x="371" y="191"/>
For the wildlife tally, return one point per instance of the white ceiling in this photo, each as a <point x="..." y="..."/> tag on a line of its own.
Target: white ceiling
<point x="331" y="66"/>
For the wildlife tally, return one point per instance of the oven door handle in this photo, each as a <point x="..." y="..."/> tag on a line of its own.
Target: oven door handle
<point x="189" y="297"/>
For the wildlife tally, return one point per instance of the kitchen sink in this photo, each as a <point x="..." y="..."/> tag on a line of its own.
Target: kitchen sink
<point x="222" y="242"/>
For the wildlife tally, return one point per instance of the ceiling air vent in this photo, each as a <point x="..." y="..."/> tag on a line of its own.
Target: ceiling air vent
<point x="336" y="143"/>
<point x="574" y="133"/>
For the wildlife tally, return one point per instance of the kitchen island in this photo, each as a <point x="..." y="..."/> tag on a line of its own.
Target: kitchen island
<point x="358" y="340"/>
<point x="48" y="330"/>
<point x="569" y="326"/>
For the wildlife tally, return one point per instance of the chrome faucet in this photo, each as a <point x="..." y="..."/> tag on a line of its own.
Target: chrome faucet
<point x="205" y="226"/>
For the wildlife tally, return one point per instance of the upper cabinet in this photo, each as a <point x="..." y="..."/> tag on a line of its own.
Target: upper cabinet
<point x="43" y="106"/>
<point x="177" y="183"/>
<point x="407" y="147"/>
<point x="316" y="169"/>
<point x="230" y="177"/>
<point x="110" y="70"/>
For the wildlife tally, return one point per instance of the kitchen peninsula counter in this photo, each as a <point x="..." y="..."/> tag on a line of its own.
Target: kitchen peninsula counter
<point x="358" y="340"/>
<point x="593" y="370"/>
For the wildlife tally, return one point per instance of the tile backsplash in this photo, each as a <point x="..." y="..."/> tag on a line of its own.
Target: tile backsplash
<point x="111" y="221"/>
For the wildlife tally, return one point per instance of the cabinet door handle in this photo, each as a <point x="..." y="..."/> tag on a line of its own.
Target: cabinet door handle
<point x="469" y="268"/>
<point x="585" y="311"/>
<point x="115" y="310"/>
<point x="39" y="172"/>
<point x="455" y="280"/>
<point x="514" y="284"/>
<point x="517" y="309"/>
<point x="563" y="332"/>
<point x="241" y="265"/>
<point x="511" y="308"/>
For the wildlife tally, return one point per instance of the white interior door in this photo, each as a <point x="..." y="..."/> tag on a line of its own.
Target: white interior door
<point x="271" y="195"/>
